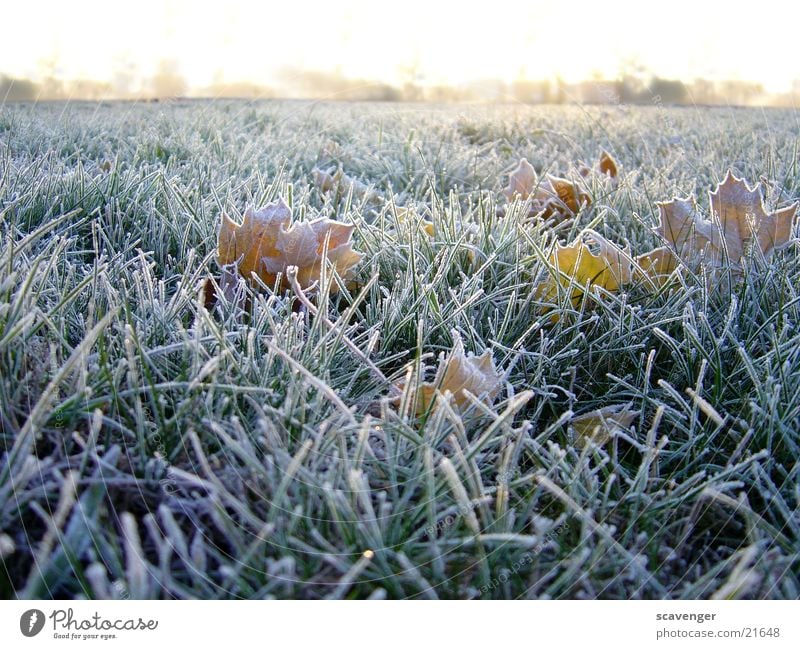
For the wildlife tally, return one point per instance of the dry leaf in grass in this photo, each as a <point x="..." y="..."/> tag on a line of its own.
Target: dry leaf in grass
<point x="522" y="182"/>
<point x="551" y="196"/>
<point x="458" y="374"/>
<point x="325" y="180"/>
<point x="566" y="197"/>
<point x="336" y="180"/>
<point x="739" y="220"/>
<point x="409" y="215"/>
<point x="332" y="149"/>
<point x="226" y="287"/>
<point x="655" y="266"/>
<point x="578" y="266"/>
<point x="267" y="243"/>
<point x="600" y="425"/>
<point x="607" y="165"/>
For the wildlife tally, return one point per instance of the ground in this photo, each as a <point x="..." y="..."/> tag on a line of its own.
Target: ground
<point x="157" y="445"/>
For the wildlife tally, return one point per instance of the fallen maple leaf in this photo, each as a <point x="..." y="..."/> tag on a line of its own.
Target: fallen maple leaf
<point x="522" y="181"/>
<point x="576" y="266"/>
<point x="565" y="194"/>
<point x="338" y="181"/>
<point x="267" y="243"/>
<point x="457" y="375"/>
<point x="553" y="195"/>
<point x="738" y="222"/>
<point x="601" y="424"/>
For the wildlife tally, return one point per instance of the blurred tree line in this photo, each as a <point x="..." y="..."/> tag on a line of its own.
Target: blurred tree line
<point x="632" y="87"/>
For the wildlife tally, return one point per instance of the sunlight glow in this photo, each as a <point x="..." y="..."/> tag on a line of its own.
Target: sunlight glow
<point x="416" y="40"/>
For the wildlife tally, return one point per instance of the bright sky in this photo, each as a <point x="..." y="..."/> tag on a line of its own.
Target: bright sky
<point x="450" y="42"/>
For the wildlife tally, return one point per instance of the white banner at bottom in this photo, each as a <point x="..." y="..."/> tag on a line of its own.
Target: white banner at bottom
<point x="387" y="624"/>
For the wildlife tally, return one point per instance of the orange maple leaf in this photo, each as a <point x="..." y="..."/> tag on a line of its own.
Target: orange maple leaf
<point x="552" y="196"/>
<point x="267" y="243"/>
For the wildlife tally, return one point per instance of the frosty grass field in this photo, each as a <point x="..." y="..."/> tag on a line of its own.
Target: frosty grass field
<point x="153" y="447"/>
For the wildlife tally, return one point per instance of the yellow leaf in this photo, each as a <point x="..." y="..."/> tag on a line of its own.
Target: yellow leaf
<point x="738" y="221"/>
<point x="267" y="243"/>
<point x="599" y="425"/>
<point x="459" y="374"/>
<point x="577" y="266"/>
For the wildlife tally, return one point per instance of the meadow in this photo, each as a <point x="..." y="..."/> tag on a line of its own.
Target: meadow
<point x="158" y="444"/>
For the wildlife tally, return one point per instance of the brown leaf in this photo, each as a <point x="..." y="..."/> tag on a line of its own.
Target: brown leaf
<point x="267" y="243"/>
<point x="566" y="197"/>
<point x="227" y="287"/>
<point x="552" y="196"/>
<point x="607" y="164"/>
<point x="522" y="181"/>
<point x="338" y="181"/>
<point x="459" y="374"/>
<point x="656" y="266"/>
<point x="738" y="221"/>
<point x="600" y="425"/>
<point x="209" y="291"/>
